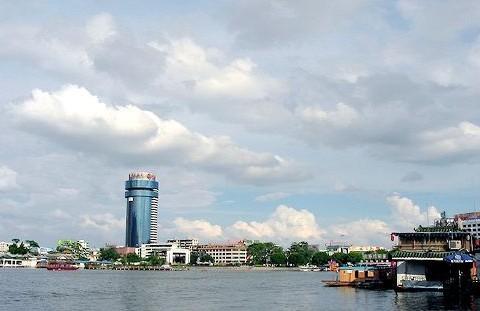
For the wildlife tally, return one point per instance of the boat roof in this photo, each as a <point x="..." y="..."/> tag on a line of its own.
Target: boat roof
<point x="359" y="268"/>
<point x="420" y="255"/>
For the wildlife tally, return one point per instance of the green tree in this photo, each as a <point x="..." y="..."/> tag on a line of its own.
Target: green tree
<point x="354" y="257"/>
<point x="300" y="253"/>
<point x="194" y="256"/>
<point x="320" y="258"/>
<point x="262" y="253"/>
<point x="341" y="258"/>
<point x="278" y="257"/>
<point x="297" y="259"/>
<point x="204" y="257"/>
<point x="17" y="250"/>
<point x="130" y="258"/>
<point x="108" y="254"/>
<point x="156" y="261"/>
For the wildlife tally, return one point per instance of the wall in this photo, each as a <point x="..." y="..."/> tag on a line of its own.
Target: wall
<point x="410" y="270"/>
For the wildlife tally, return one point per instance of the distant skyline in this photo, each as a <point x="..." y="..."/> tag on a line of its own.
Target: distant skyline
<point x="272" y="120"/>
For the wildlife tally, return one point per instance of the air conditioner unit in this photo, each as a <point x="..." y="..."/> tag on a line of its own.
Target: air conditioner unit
<point x="455" y="244"/>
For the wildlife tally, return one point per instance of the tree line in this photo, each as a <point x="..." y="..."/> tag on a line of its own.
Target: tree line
<point x="111" y="254"/>
<point x="298" y="254"/>
<point x="22" y="247"/>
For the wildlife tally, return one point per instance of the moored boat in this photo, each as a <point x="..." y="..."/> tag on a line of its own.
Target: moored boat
<point x="61" y="266"/>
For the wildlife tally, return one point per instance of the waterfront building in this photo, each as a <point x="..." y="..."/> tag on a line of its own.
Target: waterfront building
<point x="337" y="247"/>
<point x="185" y="243"/>
<point x="125" y="250"/>
<point x="363" y="249"/>
<point x="141" y="192"/>
<point x="469" y="222"/>
<point x="226" y="254"/>
<point x="18" y="261"/>
<point x="431" y="258"/>
<point x="171" y="252"/>
<point x="4" y="246"/>
<point x="84" y="244"/>
<point x="79" y="249"/>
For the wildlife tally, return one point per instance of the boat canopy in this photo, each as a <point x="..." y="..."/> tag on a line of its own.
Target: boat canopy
<point x="458" y="258"/>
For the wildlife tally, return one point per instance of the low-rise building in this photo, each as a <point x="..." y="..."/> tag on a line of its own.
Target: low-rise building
<point x="169" y="251"/>
<point x="337" y="247"/>
<point x="125" y="250"/>
<point x="4" y="246"/>
<point x="18" y="261"/>
<point x="226" y="254"/>
<point x="469" y="222"/>
<point x="364" y="249"/>
<point x="185" y="243"/>
<point x="423" y="259"/>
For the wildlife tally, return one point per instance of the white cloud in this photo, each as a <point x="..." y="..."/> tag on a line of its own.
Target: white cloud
<point x="342" y="116"/>
<point x="8" y="178"/>
<point x="406" y="215"/>
<point x="104" y="222"/>
<point x="100" y="27"/>
<point x="362" y="231"/>
<point x="198" y="228"/>
<point x="188" y="64"/>
<point x="273" y="196"/>
<point x="461" y="141"/>
<point x="74" y="116"/>
<point x="286" y="224"/>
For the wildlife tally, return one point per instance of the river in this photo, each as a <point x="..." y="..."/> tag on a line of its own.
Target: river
<point x="201" y="289"/>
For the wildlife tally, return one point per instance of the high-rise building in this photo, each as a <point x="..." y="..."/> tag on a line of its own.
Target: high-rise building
<point x="141" y="192"/>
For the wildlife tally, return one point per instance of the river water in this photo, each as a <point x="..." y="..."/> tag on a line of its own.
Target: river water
<point x="201" y="289"/>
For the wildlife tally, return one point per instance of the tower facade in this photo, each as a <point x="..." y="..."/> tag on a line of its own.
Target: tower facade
<point x="141" y="192"/>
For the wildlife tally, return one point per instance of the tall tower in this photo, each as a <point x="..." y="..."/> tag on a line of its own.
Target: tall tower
<point x="141" y="192"/>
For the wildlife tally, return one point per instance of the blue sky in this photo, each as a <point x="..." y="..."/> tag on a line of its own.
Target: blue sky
<point x="269" y="120"/>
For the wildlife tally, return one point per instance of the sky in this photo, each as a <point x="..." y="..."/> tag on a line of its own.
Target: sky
<point x="269" y="120"/>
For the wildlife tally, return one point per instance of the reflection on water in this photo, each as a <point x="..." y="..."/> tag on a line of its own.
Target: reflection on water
<point x="202" y="289"/>
<point x="436" y="301"/>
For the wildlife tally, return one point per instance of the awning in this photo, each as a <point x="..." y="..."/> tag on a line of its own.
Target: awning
<point x="419" y="255"/>
<point x="458" y="258"/>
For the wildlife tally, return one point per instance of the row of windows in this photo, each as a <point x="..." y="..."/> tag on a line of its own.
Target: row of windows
<point x="226" y="253"/>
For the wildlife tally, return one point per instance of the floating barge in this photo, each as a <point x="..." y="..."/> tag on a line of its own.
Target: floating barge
<point x="369" y="277"/>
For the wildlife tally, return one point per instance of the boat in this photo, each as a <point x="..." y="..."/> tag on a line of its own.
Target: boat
<point x="309" y="268"/>
<point x="61" y="266"/>
<point x="367" y="277"/>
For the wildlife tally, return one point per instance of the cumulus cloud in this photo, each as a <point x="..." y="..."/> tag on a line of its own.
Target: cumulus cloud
<point x="406" y="215"/>
<point x="195" y="67"/>
<point x="8" y="178"/>
<point x="79" y="119"/>
<point x="198" y="228"/>
<point x="286" y="223"/>
<point x="450" y="143"/>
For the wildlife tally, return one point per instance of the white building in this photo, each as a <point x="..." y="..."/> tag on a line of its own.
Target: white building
<point x="469" y="222"/>
<point x="363" y="249"/>
<point x="4" y="246"/>
<point x="185" y="243"/>
<point x="226" y="254"/>
<point x="18" y="262"/>
<point x="84" y="244"/>
<point x="170" y="251"/>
